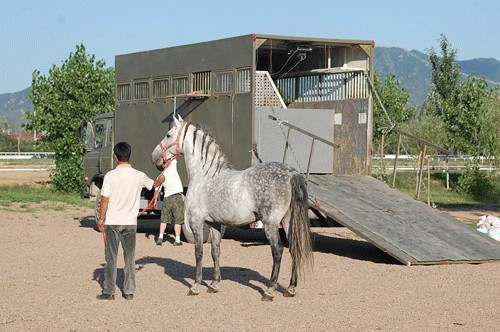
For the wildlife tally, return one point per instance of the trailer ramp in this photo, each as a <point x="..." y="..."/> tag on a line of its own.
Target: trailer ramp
<point x="409" y="230"/>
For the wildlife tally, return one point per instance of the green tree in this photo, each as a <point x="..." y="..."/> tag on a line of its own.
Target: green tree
<point x="80" y="89"/>
<point x="460" y="104"/>
<point x="428" y="127"/>
<point x="445" y="80"/>
<point x="489" y="136"/>
<point x="464" y="107"/>
<point x="396" y="101"/>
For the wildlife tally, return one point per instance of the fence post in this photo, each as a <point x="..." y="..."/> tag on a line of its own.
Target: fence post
<point x="420" y="172"/>
<point x="447" y="173"/>
<point x="428" y="181"/>
<point x="382" y="156"/>
<point x="396" y="162"/>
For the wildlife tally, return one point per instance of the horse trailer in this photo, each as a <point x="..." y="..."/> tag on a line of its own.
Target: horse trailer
<point x="250" y="90"/>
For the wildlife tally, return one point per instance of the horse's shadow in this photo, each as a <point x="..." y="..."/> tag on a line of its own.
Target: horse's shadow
<point x="180" y="272"/>
<point x="350" y="248"/>
<point x="353" y="249"/>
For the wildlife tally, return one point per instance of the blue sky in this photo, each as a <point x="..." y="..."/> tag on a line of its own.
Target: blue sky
<point x="34" y="35"/>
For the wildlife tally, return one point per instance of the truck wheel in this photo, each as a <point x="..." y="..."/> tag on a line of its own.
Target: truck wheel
<point x="188" y="233"/>
<point x="97" y="210"/>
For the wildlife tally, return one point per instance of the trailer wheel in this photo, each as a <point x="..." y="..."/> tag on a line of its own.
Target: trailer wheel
<point x="189" y="236"/>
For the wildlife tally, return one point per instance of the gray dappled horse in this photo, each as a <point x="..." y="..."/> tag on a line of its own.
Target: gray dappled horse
<point x="219" y="195"/>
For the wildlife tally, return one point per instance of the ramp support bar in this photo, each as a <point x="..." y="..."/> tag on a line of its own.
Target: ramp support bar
<point x="310" y="159"/>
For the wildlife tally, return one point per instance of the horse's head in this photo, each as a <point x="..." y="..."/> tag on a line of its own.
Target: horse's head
<point x="170" y="146"/>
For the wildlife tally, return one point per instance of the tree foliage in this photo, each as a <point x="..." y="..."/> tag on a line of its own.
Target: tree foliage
<point x="80" y="89"/>
<point x="427" y="127"/>
<point x="396" y="101"/>
<point x="462" y="105"/>
<point x="467" y="109"/>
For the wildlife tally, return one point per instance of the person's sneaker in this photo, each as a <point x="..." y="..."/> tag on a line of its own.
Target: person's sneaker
<point x="128" y="296"/>
<point x="159" y="241"/>
<point x="104" y="296"/>
<point x="177" y="243"/>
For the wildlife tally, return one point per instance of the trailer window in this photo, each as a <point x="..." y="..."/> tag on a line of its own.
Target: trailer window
<point x="224" y="82"/>
<point x="201" y="82"/>
<point x="141" y="90"/>
<point x="99" y="135"/>
<point x="244" y="77"/>
<point x="123" y="92"/>
<point x="161" y="87"/>
<point x="89" y="137"/>
<point x="109" y="134"/>
<point x="180" y="85"/>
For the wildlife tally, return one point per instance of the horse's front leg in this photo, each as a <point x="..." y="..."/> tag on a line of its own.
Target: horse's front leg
<point x="272" y="235"/>
<point x="197" y="227"/>
<point x="215" y="233"/>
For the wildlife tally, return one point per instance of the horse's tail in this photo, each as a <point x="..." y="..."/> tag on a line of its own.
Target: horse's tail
<point x="300" y="242"/>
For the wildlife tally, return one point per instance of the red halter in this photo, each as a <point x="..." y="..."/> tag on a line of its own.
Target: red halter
<point x="177" y="153"/>
<point x="165" y="165"/>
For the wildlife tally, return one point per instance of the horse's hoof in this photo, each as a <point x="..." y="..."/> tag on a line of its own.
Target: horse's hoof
<point x="193" y="292"/>
<point x="289" y="293"/>
<point x="212" y="289"/>
<point x="267" y="297"/>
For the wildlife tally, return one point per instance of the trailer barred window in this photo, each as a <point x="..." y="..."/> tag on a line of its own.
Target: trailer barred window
<point x="123" y="92"/>
<point x="244" y="77"/>
<point x="224" y="82"/>
<point x="161" y="87"/>
<point x="141" y="90"/>
<point x="180" y="85"/>
<point x="201" y="82"/>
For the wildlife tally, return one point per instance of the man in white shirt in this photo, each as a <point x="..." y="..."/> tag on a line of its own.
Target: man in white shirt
<point x="173" y="204"/>
<point x="120" y="198"/>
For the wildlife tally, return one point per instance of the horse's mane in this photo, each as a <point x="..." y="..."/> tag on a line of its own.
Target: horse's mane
<point x="218" y="158"/>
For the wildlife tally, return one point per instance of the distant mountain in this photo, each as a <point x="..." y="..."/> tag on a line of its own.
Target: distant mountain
<point x="13" y="106"/>
<point x="413" y="69"/>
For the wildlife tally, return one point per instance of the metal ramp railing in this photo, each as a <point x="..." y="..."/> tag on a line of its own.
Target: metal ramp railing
<point x="314" y="138"/>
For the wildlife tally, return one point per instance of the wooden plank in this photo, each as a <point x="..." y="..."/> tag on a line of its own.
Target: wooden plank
<point x="407" y="229"/>
<point x="367" y="235"/>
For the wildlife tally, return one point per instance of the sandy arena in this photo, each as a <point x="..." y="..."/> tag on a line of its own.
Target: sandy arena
<point x="52" y="269"/>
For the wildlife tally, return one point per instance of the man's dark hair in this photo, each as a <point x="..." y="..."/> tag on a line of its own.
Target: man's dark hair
<point x="122" y="151"/>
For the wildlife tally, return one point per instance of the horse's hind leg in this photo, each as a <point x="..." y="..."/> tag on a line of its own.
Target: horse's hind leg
<point x="272" y="235"/>
<point x="215" y="232"/>
<point x="290" y="291"/>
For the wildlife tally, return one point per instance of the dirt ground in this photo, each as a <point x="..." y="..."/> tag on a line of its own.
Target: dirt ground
<point x="53" y="259"/>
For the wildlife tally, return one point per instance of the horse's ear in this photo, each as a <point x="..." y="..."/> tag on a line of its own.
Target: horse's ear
<point x="180" y="118"/>
<point x="176" y="122"/>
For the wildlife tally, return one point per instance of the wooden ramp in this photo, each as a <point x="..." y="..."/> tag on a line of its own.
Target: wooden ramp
<point x="409" y="230"/>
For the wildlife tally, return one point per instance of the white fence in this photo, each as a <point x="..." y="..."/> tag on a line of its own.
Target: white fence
<point x="26" y="155"/>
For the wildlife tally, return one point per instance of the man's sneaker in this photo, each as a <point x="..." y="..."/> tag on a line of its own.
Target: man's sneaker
<point x="159" y="241"/>
<point x="177" y="243"/>
<point x="104" y="296"/>
<point x="128" y="296"/>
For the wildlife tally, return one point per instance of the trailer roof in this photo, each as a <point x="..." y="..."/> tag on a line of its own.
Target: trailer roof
<point x="314" y="42"/>
<point x="283" y="42"/>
